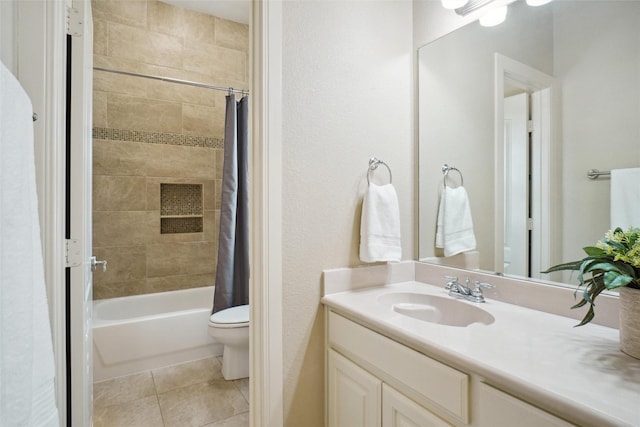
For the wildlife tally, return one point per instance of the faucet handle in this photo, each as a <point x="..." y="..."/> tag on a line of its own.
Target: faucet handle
<point x="451" y="281"/>
<point x="478" y="284"/>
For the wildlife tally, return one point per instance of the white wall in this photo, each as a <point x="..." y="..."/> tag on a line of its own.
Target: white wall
<point x="347" y="96"/>
<point x="8" y="51"/>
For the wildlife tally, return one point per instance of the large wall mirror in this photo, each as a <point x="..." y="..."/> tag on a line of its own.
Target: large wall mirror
<point x="524" y="110"/>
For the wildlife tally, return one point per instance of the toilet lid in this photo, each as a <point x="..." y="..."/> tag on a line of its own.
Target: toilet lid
<point x="233" y="317"/>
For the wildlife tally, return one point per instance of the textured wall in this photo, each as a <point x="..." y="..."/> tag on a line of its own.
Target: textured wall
<point x="148" y="132"/>
<point x="347" y="95"/>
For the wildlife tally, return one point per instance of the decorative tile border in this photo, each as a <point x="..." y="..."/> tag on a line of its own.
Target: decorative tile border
<point x="157" y="138"/>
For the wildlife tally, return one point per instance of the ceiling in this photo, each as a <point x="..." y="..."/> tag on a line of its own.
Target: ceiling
<point x="233" y="10"/>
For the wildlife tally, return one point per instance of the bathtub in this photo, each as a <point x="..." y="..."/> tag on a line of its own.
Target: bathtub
<point x="142" y="332"/>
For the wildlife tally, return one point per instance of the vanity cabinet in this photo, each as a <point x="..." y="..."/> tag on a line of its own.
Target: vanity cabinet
<point x="501" y="409"/>
<point x="374" y="381"/>
<point x="359" y="399"/>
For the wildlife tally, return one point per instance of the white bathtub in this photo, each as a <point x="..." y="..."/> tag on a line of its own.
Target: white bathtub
<point x="141" y="332"/>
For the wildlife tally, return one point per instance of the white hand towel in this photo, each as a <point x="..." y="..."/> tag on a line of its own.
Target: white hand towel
<point x="380" y="225"/>
<point x="27" y="392"/>
<point x="454" y="231"/>
<point x="625" y="198"/>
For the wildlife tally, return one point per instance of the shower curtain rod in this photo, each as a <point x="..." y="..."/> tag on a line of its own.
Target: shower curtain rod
<point x="172" y="80"/>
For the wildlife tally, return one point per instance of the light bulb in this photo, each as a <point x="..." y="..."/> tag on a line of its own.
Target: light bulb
<point x="537" y="2"/>
<point x="453" y="4"/>
<point x="494" y="16"/>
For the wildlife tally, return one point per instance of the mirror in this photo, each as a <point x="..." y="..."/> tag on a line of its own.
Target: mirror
<point x="585" y="88"/>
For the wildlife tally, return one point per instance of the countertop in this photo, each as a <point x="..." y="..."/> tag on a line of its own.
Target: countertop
<point x="577" y="373"/>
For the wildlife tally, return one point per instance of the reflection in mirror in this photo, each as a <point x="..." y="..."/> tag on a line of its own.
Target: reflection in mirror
<point x="532" y="203"/>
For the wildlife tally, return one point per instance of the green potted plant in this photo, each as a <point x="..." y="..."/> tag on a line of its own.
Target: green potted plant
<point x="614" y="263"/>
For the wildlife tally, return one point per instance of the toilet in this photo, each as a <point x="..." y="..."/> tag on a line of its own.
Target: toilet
<point x="230" y="327"/>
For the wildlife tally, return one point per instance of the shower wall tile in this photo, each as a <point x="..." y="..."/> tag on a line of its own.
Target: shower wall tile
<point x="129" y="112"/>
<point x="100" y="33"/>
<point x="208" y="195"/>
<point x="186" y="281"/>
<point x="99" y="109"/>
<point x="186" y="162"/>
<point x="144" y="46"/>
<point x="183" y="93"/>
<point x="119" y="228"/>
<point x="219" y="163"/>
<point x="210" y="59"/>
<point x="171" y="259"/>
<point x="232" y="35"/>
<point x="118" y="158"/>
<point x="165" y="18"/>
<point x="199" y="27"/>
<point x="202" y="120"/>
<point x="149" y="132"/>
<point x="125" y="264"/>
<point x="119" y="289"/>
<point x="118" y="83"/>
<point x="130" y="12"/>
<point x="119" y="193"/>
<point x="211" y="230"/>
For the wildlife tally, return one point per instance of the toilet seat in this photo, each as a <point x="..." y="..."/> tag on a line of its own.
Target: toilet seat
<point x="232" y="317"/>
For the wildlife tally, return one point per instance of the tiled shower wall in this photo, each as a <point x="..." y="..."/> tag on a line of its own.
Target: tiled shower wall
<point x="149" y="132"/>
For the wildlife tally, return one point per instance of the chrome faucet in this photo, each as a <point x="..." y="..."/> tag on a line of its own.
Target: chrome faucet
<point x="458" y="290"/>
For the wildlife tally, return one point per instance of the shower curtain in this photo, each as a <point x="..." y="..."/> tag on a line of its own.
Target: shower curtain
<point x="232" y="274"/>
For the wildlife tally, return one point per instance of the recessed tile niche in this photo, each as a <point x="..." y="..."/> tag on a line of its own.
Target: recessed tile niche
<point x="181" y="208"/>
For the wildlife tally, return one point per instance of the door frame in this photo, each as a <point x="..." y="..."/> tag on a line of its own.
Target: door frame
<point x="266" y="373"/>
<point x="547" y="168"/>
<point x="266" y="197"/>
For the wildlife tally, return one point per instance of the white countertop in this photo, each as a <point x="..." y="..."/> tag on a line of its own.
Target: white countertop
<point x="578" y="373"/>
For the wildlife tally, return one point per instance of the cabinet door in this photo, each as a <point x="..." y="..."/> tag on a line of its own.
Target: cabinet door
<point x="400" y="411"/>
<point x="501" y="409"/>
<point x="354" y="394"/>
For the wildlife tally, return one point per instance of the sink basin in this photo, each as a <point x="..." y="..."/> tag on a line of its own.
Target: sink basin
<point x="435" y="309"/>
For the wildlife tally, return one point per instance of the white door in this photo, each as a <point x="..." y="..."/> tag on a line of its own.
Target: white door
<point x="516" y="185"/>
<point x="80" y="288"/>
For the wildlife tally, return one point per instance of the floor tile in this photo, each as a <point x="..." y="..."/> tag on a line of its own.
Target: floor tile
<point x="241" y="420"/>
<point x="202" y="403"/>
<point x="123" y="389"/>
<point x="137" y="413"/>
<point x="243" y="386"/>
<point x="186" y="374"/>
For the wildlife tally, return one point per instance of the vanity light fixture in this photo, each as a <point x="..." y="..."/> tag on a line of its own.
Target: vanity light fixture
<point x="493" y="17"/>
<point x="453" y="4"/>
<point x="489" y="12"/>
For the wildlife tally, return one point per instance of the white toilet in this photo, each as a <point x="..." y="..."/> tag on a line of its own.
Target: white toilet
<point x="230" y="327"/>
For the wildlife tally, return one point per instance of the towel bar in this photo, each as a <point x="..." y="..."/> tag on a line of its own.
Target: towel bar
<point x="374" y="162"/>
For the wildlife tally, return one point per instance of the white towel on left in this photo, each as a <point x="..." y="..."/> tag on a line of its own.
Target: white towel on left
<point x="380" y="225"/>
<point x="454" y="231"/>
<point x="27" y="390"/>
<point x="625" y="198"/>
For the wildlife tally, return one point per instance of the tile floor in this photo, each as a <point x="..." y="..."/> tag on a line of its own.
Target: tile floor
<point x="191" y="394"/>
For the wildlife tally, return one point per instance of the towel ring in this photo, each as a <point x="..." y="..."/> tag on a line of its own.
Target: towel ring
<point x="445" y="170"/>
<point x="373" y="165"/>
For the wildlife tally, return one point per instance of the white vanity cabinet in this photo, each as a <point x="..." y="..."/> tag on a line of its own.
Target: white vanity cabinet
<point x="374" y="381"/>
<point x="359" y="399"/>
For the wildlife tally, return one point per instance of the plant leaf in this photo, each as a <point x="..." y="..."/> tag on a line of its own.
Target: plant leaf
<point x="614" y="280"/>
<point x="594" y="251"/>
<point x="573" y="265"/>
